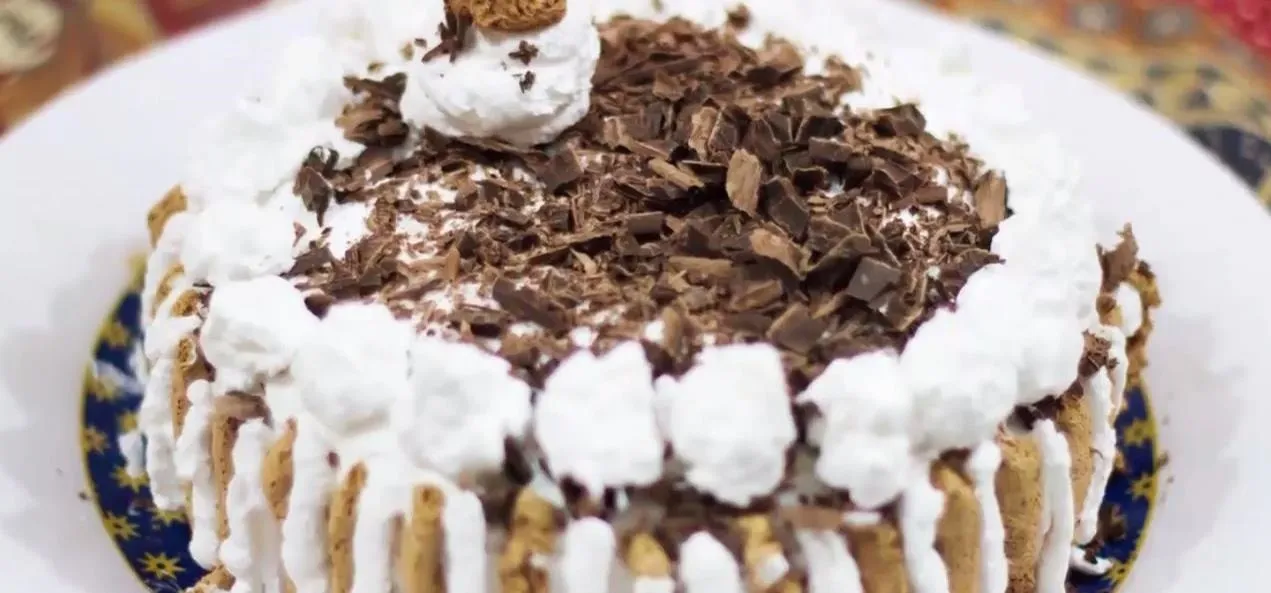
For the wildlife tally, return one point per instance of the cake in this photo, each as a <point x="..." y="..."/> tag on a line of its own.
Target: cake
<point x="531" y="296"/>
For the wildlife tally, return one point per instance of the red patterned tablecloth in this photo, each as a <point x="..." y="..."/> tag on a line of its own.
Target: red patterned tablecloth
<point x="1202" y="63"/>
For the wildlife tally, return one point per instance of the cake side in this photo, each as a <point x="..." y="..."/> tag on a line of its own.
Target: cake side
<point x="311" y="419"/>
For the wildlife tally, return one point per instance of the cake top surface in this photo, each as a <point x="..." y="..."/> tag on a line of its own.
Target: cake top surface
<point x="713" y="194"/>
<point x="421" y="211"/>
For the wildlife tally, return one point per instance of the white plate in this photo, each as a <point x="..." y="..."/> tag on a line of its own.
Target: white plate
<point x="75" y="183"/>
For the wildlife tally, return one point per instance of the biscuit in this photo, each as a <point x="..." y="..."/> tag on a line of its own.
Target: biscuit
<point x="511" y="15"/>
<point x="1019" y="492"/>
<point x="173" y="203"/>
<point x="278" y="471"/>
<point x="645" y="557"/>
<point x="164" y="288"/>
<point x="879" y="556"/>
<point x="532" y="534"/>
<point x="224" y="434"/>
<point x="216" y="581"/>
<point x="958" y="533"/>
<point x="341" y="522"/>
<point x="189" y="367"/>
<point x="1076" y="423"/>
<point x="759" y="549"/>
<point x="419" y="555"/>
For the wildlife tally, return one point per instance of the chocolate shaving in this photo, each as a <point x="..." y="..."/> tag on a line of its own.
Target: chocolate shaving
<point x="871" y="278"/>
<point x="527" y="306"/>
<point x="319" y="303"/>
<point x="646" y="223"/>
<point x="901" y="120"/>
<point x="454" y="33"/>
<point x="525" y="52"/>
<point x="677" y="176"/>
<point x="990" y="199"/>
<point x="784" y="207"/>
<point x="526" y="81"/>
<point x="742" y="183"/>
<point x="559" y="169"/>
<point x="796" y="330"/>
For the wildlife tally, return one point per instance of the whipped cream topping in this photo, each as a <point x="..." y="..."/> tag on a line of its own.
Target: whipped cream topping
<point x="463" y="404"/>
<point x="154" y="418"/>
<point x="983" y="465"/>
<point x="253" y="330"/>
<point x="165" y="254"/>
<point x="256" y="147"/>
<point x="231" y="240"/>
<point x="1104" y="393"/>
<point x="595" y="420"/>
<point x="1057" y="511"/>
<point x="380" y="502"/>
<point x="867" y="407"/>
<point x="831" y="567"/>
<point x="729" y="420"/>
<point x="463" y="519"/>
<point x="1131" y="306"/>
<point x="920" y="510"/>
<point x="588" y="550"/>
<point x="706" y="566"/>
<point x="480" y="93"/>
<point x="353" y="368"/>
<point x="193" y="467"/>
<point x="166" y="330"/>
<point x="304" y="530"/>
<point x="252" y="551"/>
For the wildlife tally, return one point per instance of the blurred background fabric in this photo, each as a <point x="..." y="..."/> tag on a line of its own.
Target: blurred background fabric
<point x="1200" y="63"/>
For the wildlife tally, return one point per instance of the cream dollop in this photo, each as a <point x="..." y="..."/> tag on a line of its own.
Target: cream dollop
<point x="485" y="93"/>
<point x="961" y="391"/>
<point x="595" y="420"/>
<point x="462" y="405"/>
<point x="1131" y="305"/>
<point x="729" y="420"/>
<point x="866" y="407"/>
<point x="253" y="330"/>
<point x="706" y="566"/>
<point x="255" y="148"/>
<point x="586" y="559"/>
<point x="354" y="367"/>
<point x="831" y="567"/>
<point x="166" y="253"/>
<point x="229" y="241"/>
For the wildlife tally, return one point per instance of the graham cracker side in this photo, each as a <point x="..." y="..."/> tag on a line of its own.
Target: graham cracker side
<point x="278" y="471"/>
<point x="341" y="522"/>
<point x="532" y="532"/>
<point x="958" y="532"/>
<point x="879" y="556"/>
<point x="420" y="553"/>
<point x="1076" y="423"/>
<point x="224" y="433"/>
<point x="760" y="546"/>
<point x="170" y="205"/>
<point x="1019" y="493"/>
